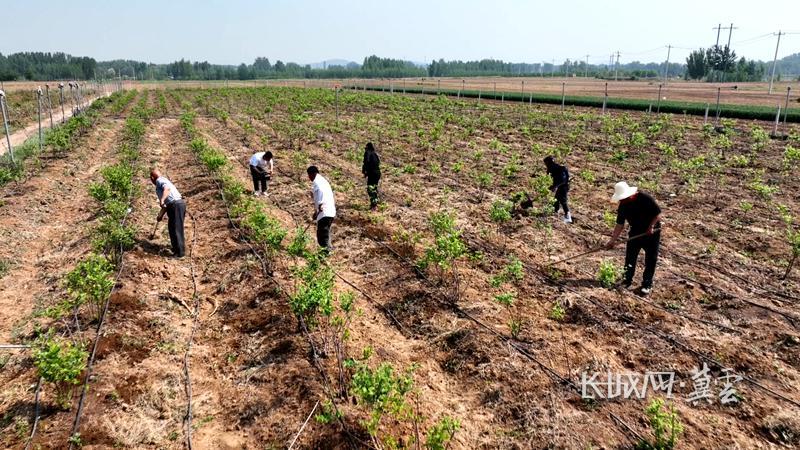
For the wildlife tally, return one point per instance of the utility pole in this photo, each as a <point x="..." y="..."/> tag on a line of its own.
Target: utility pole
<point x="586" y="71"/>
<point x="616" y="67"/>
<point x="774" y="62"/>
<point x="666" y="67"/>
<point x="718" y="28"/>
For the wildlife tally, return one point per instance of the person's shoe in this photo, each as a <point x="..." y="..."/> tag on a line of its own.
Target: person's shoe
<point x="568" y="218"/>
<point x="646" y="290"/>
<point x="266" y="194"/>
<point x="625" y="284"/>
<point x="257" y="193"/>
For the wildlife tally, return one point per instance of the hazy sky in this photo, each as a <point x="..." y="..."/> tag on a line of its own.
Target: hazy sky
<point x="307" y="31"/>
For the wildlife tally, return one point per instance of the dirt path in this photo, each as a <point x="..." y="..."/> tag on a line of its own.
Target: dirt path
<point x="20" y="136"/>
<point x="43" y="227"/>
<point x="252" y="383"/>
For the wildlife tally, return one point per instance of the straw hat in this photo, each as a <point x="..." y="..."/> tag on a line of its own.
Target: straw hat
<point x="623" y="191"/>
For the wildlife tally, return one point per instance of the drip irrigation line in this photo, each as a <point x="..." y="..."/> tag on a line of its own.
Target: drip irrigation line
<point x="85" y="388"/>
<point x="195" y="321"/>
<point x="35" y="413"/>
<point x="621" y="317"/>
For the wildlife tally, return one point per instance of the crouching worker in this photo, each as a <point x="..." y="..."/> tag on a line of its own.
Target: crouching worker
<point x="261" y="167"/>
<point x="324" y="207"/>
<point x="644" y="217"/>
<point x="174" y="207"/>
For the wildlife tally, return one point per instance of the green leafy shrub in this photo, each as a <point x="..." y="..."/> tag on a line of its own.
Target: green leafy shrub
<point x="382" y="391"/>
<point x="440" y="434"/>
<point x="299" y="244"/>
<point x="608" y="274"/>
<point x="791" y="157"/>
<point x="264" y="229"/>
<point x="59" y="362"/>
<point x="666" y="427"/>
<point x="314" y="292"/>
<point x="447" y="245"/>
<point x="90" y="283"/>
<point x="557" y="312"/>
<point x="501" y="211"/>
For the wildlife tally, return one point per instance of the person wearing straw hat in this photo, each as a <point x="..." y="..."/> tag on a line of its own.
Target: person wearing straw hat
<point x="643" y="215"/>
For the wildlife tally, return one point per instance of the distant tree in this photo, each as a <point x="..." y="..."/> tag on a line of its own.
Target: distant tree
<point x="696" y="65"/>
<point x="721" y="59"/>
<point x="242" y="72"/>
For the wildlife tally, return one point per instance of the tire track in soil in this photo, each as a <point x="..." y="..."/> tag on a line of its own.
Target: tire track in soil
<point x="460" y="352"/>
<point x="251" y="378"/>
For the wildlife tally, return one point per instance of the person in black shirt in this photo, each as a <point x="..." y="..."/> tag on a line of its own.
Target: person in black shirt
<point x="371" y="168"/>
<point x="643" y="215"/>
<point x="560" y="186"/>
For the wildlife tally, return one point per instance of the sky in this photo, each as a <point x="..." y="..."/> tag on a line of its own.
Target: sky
<point x="309" y="31"/>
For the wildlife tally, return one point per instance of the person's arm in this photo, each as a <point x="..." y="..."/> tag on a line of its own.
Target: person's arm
<point x="614" y="236"/>
<point x="617" y="229"/>
<point x="271" y="167"/>
<point x="164" y="196"/>
<point x="651" y="229"/>
<point x="161" y="214"/>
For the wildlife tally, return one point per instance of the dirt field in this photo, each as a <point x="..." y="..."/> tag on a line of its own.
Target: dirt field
<point x="510" y="375"/>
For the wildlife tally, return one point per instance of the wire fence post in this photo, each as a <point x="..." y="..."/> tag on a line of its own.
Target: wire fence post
<point x="49" y="104"/>
<point x="563" y="94"/>
<point x="658" y="101"/>
<point x="605" y="99"/>
<point x="5" y="124"/>
<point x="61" y="97"/>
<point x="786" y="109"/>
<point x="438" y="87"/>
<point x="705" y="119"/>
<point x="777" y="121"/>
<point x="337" y="104"/>
<point x="39" y="114"/>
<point x="719" y="91"/>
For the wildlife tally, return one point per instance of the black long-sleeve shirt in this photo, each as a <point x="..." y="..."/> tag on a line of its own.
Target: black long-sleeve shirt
<point x="559" y="174"/>
<point x="372" y="164"/>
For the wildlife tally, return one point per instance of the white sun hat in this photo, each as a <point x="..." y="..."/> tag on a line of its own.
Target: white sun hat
<point x="623" y="191"/>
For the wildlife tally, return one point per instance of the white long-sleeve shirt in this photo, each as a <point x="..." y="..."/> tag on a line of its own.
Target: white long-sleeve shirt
<point x="323" y="196"/>
<point x="257" y="160"/>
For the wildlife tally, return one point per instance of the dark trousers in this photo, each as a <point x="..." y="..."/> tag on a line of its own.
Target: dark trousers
<point x="372" y="189"/>
<point x="650" y="245"/>
<point x="561" y="199"/>
<point x="259" y="179"/>
<point x="324" y="232"/>
<point x="176" y="212"/>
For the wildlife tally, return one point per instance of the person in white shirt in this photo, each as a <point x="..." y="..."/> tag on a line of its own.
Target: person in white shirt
<point x="261" y="167"/>
<point x="324" y="207"/>
<point x="174" y="207"/>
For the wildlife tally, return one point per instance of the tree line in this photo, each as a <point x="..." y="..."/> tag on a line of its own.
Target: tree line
<point x="45" y="66"/>
<point x="719" y="63"/>
<point x="713" y="64"/>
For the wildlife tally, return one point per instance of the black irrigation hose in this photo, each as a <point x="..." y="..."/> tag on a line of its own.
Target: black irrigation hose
<point x="186" y="370"/>
<point x="469" y="316"/>
<point x="36" y="413"/>
<point x="76" y="423"/>
<point x="315" y="353"/>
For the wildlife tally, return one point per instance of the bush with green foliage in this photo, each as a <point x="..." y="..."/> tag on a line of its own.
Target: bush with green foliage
<point x="608" y="274"/>
<point x="90" y="283"/>
<point x="447" y="245"/>
<point x="665" y="424"/>
<point x="501" y="211"/>
<point x="441" y="434"/>
<point x="59" y="362"/>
